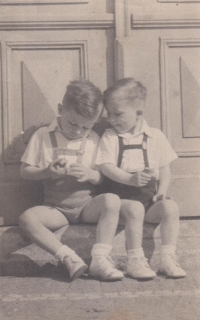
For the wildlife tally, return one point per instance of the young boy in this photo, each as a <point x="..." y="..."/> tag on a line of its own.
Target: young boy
<point x="63" y="156"/>
<point x="136" y="161"/>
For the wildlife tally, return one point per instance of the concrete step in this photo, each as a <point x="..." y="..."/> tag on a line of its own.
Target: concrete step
<point x="19" y="257"/>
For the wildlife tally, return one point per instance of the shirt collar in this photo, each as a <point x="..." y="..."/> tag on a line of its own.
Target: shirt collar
<point x="144" y="129"/>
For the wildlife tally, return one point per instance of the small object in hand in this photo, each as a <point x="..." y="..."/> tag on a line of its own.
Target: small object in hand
<point x="61" y="163"/>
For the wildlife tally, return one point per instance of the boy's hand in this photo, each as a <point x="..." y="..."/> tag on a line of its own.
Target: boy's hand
<point x="151" y="172"/>
<point x="158" y="197"/>
<point x="140" y="179"/>
<point x="81" y="172"/>
<point x="57" y="169"/>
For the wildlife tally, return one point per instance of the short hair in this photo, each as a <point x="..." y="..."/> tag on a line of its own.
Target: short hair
<point x="83" y="97"/>
<point x="126" y="89"/>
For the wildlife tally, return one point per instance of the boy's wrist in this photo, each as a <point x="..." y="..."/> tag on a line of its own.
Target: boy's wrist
<point x="93" y="176"/>
<point x="131" y="181"/>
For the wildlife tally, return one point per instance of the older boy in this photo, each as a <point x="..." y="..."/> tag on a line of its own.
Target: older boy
<point x="63" y="156"/>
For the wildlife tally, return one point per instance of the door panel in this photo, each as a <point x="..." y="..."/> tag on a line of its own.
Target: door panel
<point x="181" y="84"/>
<point x="34" y="83"/>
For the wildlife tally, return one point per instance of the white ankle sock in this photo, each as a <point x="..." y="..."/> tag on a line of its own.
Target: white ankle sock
<point x="100" y="249"/>
<point x="63" y="252"/>
<point x="168" y="249"/>
<point x="135" y="252"/>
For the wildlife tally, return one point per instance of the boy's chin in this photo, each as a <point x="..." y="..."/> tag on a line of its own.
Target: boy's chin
<point x="74" y="137"/>
<point x="118" y="130"/>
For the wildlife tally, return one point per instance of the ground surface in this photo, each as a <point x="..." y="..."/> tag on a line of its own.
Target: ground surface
<point x="50" y="296"/>
<point x="56" y="299"/>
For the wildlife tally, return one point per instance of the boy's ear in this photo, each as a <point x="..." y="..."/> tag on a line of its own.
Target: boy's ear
<point x="60" y="107"/>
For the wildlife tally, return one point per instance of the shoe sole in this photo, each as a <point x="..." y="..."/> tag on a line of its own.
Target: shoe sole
<point x="141" y="278"/>
<point x="96" y="277"/>
<point x="79" y="272"/>
<point x="105" y="279"/>
<point x="170" y="276"/>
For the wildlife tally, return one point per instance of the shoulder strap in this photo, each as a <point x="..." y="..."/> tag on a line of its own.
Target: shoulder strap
<point x="53" y="139"/>
<point x="144" y="150"/>
<point x="121" y="150"/>
<point x="142" y="146"/>
<point x="81" y="151"/>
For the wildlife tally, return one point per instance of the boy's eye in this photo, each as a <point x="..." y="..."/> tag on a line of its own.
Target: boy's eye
<point x="73" y="124"/>
<point x="86" y="128"/>
<point x="115" y="115"/>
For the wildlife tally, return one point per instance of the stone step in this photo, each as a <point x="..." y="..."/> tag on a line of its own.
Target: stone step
<point x="19" y="257"/>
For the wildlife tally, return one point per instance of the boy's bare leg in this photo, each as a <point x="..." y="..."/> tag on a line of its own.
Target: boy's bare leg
<point x="137" y="266"/>
<point x="133" y="212"/>
<point x="166" y="213"/>
<point x="103" y="209"/>
<point x="38" y="222"/>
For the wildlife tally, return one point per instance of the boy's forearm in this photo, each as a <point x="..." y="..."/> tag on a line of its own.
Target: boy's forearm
<point x="116" y="174"/>
<point x="95" y="176"/>
<point x="164" y="180"/>
<point x="33" y="173"/>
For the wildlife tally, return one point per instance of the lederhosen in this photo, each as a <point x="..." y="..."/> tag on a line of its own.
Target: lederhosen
<point x="143" y="194"/>
<point x="67" y="194"/>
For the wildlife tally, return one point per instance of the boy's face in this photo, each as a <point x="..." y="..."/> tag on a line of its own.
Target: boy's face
<point x="74" y="125"/>
<point x="122" y="115"/>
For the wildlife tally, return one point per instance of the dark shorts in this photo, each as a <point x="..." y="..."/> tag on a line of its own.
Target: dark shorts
<point x="73" y="215"/>
<point x="141" y="194"/>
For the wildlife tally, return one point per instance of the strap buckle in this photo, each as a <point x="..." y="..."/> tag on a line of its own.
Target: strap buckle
<point x="80" y="152"/>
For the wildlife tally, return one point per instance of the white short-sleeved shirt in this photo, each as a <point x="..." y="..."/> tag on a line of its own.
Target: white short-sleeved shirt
<point x="39" y="151"/>
<point x="159" y="150"/>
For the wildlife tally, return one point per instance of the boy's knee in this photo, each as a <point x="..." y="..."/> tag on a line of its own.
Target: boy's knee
<point x="134" y="210"/>
<point x="170" y="209"/>
<point x="111" y="202"/>
<point x="25" y="218"/>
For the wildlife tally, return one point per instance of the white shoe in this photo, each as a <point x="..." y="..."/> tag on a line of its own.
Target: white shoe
<point x="139" y="268"/>
<point x="102" y="267"/>
<point x="75" y="265"/>
<point x="170" y="266"/>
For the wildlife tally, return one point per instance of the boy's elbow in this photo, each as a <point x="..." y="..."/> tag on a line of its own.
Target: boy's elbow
<point x="23" y="172"/>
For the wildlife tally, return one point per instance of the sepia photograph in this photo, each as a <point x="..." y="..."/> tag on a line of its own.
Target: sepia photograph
<point x="100" y="159"/>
